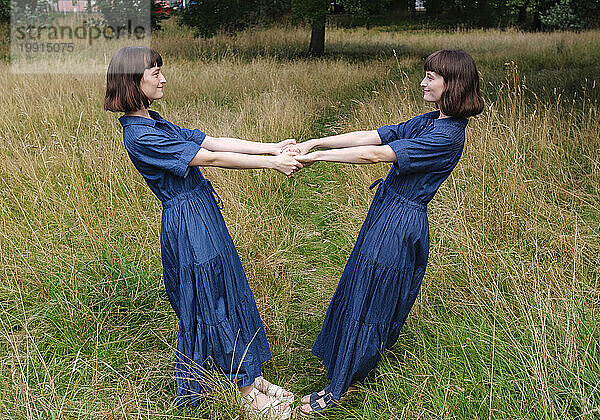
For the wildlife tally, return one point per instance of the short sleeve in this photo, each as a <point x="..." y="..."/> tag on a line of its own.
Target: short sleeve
<point x="172" y="154"/>
<point x="195" y="135"/>
<point x="424" y="154"/>
<point x="389" y="133"/>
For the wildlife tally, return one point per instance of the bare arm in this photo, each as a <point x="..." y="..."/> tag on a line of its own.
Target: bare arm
<point x="227" y="144"/>
<point x="359" y="154"/>
<point x="356" y="138"/>
<point x="283" y="163"/>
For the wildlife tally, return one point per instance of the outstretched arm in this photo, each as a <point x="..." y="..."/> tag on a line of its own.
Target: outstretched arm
<point x="227" y="144"/>
<point x="356" y="138"/>
<point x="283" y="163"/>
<point x="359" y="154"/>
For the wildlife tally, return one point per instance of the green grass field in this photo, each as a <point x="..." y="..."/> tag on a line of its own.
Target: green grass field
<point x="507" y="321"/>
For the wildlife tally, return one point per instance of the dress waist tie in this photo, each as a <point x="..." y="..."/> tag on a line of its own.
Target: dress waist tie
<point x="204" y="183"/>
<point x="382" y="187"/>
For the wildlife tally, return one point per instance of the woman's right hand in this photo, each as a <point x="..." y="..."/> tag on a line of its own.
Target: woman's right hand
<point x="286" y="163"/>
<point x="307" y="159"/>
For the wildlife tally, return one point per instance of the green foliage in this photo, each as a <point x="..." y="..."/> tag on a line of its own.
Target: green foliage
<point x="4" y="11"/>
<point x="29" y="11"/>
<point x="561" y="16"/>
<point x="365" y="8"/>
<point x="157" y="15"/>
<point x="572" y="14"/>
<point x="310" y="10"/>
<point x="470" y="12"/>
<point x="118" y="12"/>
<point x="527" y="14"/>
<point x="207" y="17"/>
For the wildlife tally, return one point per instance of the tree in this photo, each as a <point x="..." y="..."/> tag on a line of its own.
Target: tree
<point x="127" y="13"/>
<point x="314" y="12"/>
<point x="207" y="17"/>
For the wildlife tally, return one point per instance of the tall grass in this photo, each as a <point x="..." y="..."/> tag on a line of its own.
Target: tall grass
<point x="506" y="322"/>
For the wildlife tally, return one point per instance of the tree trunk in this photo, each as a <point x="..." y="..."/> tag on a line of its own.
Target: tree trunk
<point x="537" y="21"/>
<point x="317" y="37"/>
<point x="522" y="19"/>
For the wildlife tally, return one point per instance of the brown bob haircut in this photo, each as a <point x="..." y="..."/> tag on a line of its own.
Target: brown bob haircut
<point x="461" y="96"/>
<point x="125" y="71"/>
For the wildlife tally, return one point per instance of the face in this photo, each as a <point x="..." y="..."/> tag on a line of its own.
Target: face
<point x="433" y="86"/>
<point x="152" y="83"/>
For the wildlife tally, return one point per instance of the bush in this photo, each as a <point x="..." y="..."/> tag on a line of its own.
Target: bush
<point x="572" y="14"/>
<point x="561" y="16"/>
<point x="207" y="17"/>
<point x="117" y="13"/>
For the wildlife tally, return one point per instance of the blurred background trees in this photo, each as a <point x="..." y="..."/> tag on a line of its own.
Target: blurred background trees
<point x="207" y="17"/>
<point x="4" y="11"/>
<point x="525" y="14"/>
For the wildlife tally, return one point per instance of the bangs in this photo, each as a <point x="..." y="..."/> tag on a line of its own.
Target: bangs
<point x="152" y="59"/>
<point x="437" y="63"/>
<point x="134" y="60"/>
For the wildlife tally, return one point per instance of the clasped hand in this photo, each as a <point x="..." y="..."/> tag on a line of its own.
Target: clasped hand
<point x="293" y="157"/>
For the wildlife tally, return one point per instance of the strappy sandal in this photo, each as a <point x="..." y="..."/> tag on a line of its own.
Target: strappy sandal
<point x="273" y="390"/>
<point x="319" y="401"/>
<point x="270" y="410"/>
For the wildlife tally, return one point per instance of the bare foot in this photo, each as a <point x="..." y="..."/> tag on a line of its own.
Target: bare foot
<point x="324" y="398"/>
<point x="306" y="409"/>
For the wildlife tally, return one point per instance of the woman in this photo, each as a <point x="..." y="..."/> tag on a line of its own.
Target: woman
<point x="219" y="323"/>
<point x="384" y="271"/>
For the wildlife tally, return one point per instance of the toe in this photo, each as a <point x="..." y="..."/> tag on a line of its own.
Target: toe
<point x="306" y="408"/>
<point x="305" y="399"/>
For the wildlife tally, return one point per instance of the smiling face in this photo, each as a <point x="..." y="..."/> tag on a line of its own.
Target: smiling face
<point x="152" y="83"/>
<point x="433" y="86"/>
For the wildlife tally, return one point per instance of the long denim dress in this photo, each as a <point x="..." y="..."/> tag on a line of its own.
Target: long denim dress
<point x="205" y="283"/>
<point x="382" y="277"/>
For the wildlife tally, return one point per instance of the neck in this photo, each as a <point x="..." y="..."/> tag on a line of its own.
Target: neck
<point x="442" y="115"/>
<point x="139" y="113"/>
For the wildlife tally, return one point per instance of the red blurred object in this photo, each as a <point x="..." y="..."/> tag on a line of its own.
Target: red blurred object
<point x="161" y="8"/>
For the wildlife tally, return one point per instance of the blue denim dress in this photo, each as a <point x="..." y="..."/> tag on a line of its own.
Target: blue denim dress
<point x="219" y="324"/>
<point x="382" y="277"/>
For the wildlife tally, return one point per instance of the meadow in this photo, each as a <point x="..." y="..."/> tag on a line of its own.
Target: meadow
<point x="507" y="321"/>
